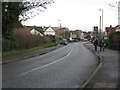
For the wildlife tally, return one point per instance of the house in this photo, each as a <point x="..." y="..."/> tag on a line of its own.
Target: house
<point x="21" y="31"/>
<point x="118" y="28"/>
<point x="63" y="33"/>
<point x="49" y="31"/>
<point x="55" y="28"/>
<point x="75" y="34"/>
<point x="84" y="34"/>
<point x="37" y="31"/>
<point x="110" y="29"/>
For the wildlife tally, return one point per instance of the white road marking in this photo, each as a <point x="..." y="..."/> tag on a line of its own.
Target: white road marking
<point x="46" y="64"/>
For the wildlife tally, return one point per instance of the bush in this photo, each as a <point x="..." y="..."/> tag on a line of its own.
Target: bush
<point x="54" y="39"/>
<point x="114" y="40"/>
<point x="106" y="41"/>
<point x="19" y="42"/>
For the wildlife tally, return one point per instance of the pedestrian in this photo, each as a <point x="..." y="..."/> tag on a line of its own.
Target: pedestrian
<point x="96" y="44"/>
<point x="101" y="44"/>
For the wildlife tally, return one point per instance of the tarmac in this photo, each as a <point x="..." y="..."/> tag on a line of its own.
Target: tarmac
<point x="107" y="75"/>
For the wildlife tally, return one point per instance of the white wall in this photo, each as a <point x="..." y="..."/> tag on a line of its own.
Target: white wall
<point x="49" y="31"/>
<point x="35" y="32"/>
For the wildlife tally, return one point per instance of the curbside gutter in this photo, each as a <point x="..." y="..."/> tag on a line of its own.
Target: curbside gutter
<point x="22" y="58"/>
<point x="99" y="65"/>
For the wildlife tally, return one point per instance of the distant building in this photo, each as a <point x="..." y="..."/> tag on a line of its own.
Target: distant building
<point x="55" y="28"/>
<point x="110" y="29"/>
<point x="63" y="33"/>
<point x="37" y="31"/>
<point x="73" y="34"/>
<point x="76" y="34"/>
<point x="118" y="28"/>
<point x="49" y="31"/>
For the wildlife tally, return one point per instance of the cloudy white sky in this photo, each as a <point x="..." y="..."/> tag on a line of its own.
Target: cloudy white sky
<point x="77" y="14"/>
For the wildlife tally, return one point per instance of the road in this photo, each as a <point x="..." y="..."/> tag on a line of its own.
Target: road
<point x="66" y="67"/>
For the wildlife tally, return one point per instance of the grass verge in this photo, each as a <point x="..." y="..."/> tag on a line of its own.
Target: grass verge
<point x="12" y="52"/>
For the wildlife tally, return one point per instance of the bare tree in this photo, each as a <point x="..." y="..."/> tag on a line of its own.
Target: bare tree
<point x="15" y="12"/>
<point x="116" y="8"/>
<point x="33" y="8"/>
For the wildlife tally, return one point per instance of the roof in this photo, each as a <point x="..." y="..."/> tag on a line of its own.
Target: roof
<point x="110" y="28"/>
<point x="61" y="30"/>
<point x="55" y="28"/>
<point x="29" y="27"/>
<point x="39" y="29"/>
<point x="45" y="28"/>
<point x="22" y="31"/>
<point x="117" y="26"/>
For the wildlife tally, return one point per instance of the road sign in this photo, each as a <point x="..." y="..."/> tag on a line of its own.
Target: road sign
<point x="95" y="28"/>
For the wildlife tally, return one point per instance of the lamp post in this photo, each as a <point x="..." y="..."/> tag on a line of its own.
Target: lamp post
<point x="102" y="18"/>
<point x="102" y="21"/>
<point x="100" y="24"/>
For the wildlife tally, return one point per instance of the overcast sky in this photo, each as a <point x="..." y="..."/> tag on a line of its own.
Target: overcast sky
<point x="77" y="14"/>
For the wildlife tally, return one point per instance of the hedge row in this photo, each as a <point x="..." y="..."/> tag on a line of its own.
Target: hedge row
<point x="19" y="42"/>
<point x="114" y="40"/>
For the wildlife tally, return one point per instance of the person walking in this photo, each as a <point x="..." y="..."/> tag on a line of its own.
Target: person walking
<point x="96" y="44"/>
<point x="101" y="44"/>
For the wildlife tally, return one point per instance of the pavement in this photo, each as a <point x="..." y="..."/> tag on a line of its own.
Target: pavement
<point x="107" y="75"/>
<point x="22" y="56"/>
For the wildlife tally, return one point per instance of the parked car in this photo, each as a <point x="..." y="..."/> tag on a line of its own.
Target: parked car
<point x="84" y="40"/>
<point x="64" y="42"/>
<point x="76" y="40"/>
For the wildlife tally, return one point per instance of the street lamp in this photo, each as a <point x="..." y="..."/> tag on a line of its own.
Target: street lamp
<point x="101" y="31"/>
<point x="102" y="18"/>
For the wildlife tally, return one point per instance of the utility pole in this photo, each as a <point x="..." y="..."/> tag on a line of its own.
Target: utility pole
<point x="100" y="25"/>
<point x="102" y="22"/>
<point x="102" y="19"/>
<point x="100" y="28"/>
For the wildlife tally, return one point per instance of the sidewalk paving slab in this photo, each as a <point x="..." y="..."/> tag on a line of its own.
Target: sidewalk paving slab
<point x="107" y="75"/>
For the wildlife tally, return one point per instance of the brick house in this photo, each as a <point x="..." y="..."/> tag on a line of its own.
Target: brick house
<point x="63" y="33"/>
<point x="110" y="29"/>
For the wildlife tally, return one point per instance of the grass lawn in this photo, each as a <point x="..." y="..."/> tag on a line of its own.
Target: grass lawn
<point x="27" y="50"/>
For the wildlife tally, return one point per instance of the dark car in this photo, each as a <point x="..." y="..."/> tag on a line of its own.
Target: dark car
<point x="64" y="42"/>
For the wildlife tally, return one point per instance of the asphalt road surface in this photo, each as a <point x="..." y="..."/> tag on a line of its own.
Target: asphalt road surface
<point x="66" y="67"/>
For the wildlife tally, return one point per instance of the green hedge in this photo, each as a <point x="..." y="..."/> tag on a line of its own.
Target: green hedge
<point x="20" y="42"/>
<point x="7" y="53"/>
<point x="114" y="40"/>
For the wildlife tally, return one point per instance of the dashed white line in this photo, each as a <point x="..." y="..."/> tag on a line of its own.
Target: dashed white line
<point x="46" y="64"/>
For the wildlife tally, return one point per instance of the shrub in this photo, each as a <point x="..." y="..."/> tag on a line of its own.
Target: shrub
<point x="114" y="40"/>
<point x="19" y="42"/>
